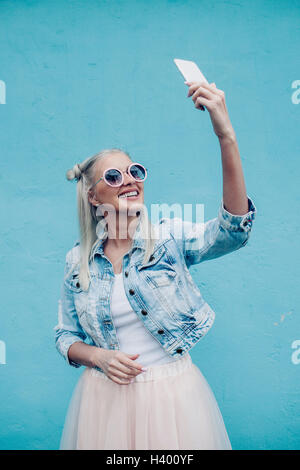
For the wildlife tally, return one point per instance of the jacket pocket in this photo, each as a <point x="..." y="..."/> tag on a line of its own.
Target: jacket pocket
<point x="72" y="281"/>
<point x="154" y="258"/>
<point x="80" y="297"/>
<point x="161" y="278"/>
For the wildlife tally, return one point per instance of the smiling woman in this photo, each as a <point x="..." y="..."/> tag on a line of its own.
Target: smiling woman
<point x="127" y="292"/>
<point x="100" y="187"/>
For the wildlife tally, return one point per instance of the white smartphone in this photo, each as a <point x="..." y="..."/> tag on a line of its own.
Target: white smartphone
<point x="190" y="71"/>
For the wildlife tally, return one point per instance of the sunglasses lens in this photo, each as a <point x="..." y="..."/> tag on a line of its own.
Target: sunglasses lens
<point x="138" y="172"/>
<point x="113" y="177"/>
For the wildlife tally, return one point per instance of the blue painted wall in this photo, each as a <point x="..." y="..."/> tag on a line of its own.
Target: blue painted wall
<point x="80" y="76"/>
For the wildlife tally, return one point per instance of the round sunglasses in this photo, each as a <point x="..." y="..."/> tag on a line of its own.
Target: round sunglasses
<point x="115" y="177"/>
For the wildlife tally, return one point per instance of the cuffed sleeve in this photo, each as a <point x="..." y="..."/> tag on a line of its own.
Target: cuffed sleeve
<point x="241" y="223"/>
<point x="68" y="330"/>
<point x="208" y="240"/>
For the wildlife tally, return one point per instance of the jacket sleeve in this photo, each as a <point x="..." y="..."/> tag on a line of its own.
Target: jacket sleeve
<point x="208" y="240"/>
<point x="68" y="330"/>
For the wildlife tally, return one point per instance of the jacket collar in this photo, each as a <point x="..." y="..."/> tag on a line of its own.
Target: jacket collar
<point x="138" y="242"/>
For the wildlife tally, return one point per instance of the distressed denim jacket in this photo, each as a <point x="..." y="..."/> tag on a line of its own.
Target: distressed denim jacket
<point x="162" y="292"/>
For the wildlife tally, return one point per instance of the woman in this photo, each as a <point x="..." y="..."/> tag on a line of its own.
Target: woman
<point x="128" y="292"/>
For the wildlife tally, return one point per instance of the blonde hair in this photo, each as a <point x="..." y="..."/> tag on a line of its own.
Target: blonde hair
<point x="83" y="173"/>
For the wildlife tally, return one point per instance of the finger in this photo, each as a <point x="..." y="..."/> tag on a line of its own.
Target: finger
<point x="122" y="371"/>
<point x="213" y="89"/>
<point x="216" y="90"/>
<point x="122" y="376"/>
<point x="130" y="363"/>
<point x="202" y="91"/>
<point x="195" y="83"/>
<point x="201" y="83"/>
<point x="128" y="366"/>
<point x="200" y="101"/>
<point x="119" y="381"/>
<point x="194" y="86"/>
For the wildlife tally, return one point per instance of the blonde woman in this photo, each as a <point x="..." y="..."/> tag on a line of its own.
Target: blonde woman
<point x="129" y="309"/>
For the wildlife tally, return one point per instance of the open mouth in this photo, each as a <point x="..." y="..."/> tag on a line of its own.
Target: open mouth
<point x="129" y="194"/>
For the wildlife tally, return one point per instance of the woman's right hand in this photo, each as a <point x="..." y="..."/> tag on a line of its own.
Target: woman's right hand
<point x="120" y="367"/>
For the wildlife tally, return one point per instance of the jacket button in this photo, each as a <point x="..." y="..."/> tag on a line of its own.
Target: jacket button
<point x="179" y="350"/>
<point x="126" y="273"/>
<point x="160" y="332"/>
<point x="131" y="291"/>
<point x="144" y="312"/>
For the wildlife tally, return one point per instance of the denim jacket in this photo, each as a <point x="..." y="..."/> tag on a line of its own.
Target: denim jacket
<point x="161" y="292"/>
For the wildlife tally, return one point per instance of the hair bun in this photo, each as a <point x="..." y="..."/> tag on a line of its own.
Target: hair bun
<point x="74" y="173"/>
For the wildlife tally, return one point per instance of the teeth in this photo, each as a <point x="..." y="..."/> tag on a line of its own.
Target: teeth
<point x="132" y="193"/>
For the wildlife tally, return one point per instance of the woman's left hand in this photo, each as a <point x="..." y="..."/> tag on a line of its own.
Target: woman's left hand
<point x="214" y="100"/>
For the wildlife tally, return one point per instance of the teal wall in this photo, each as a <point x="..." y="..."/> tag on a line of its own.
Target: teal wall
<point x="80" y="76"/>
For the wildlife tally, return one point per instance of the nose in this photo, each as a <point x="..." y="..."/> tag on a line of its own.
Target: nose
<point x="127" y="178"/>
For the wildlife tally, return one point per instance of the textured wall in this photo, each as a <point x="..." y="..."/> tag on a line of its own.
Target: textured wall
<point x="80" y="76"/>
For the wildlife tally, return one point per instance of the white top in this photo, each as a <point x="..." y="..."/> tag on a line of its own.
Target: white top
<point x="133" y="337"/>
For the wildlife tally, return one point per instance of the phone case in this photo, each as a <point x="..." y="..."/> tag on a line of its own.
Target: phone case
<point x="190" y="70"/>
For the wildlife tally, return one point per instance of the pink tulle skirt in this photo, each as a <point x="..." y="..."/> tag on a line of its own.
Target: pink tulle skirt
<point x="170" y="406"/>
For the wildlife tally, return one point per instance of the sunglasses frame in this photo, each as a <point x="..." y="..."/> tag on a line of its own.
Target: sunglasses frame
<point x="122" y="174"/>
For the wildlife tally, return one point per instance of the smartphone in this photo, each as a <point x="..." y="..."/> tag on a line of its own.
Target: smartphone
<point x="190" y="71"/>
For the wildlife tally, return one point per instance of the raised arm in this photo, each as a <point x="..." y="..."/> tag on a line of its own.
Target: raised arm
<point x="230" y="230"/>
<point x="234" y="190"/>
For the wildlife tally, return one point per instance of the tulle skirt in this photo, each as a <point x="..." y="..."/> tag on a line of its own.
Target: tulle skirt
<point x="170" y="406"/>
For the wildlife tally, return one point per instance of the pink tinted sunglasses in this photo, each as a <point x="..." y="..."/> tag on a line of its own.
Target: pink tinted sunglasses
<point x="115" y="177"/>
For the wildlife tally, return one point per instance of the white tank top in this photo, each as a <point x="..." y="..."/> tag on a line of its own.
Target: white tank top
<point x="133" y="337"/>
